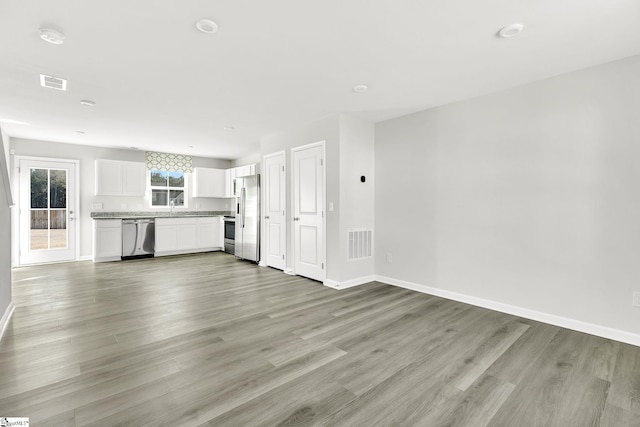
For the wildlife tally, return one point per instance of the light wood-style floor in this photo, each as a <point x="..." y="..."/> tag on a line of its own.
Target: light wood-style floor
<point x="207" y="340"/>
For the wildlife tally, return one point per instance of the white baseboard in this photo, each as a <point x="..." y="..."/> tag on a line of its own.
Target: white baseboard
<point x="289" y="271"/>
<point x="564" y="322"/>
<point x="85" y="258"/>
<point x="262" y="264"/>
<point x="349" y="283"/>
<point x="5" y="318"/>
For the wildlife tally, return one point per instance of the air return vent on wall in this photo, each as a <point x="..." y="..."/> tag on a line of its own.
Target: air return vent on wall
<point x="53" y="82"/>
<point x="360" y="244"/>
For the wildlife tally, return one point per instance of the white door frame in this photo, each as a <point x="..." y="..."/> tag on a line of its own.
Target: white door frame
<point x="292" y="243"/>
<point x="16" y="212"/>
<point x="263" y="208"/>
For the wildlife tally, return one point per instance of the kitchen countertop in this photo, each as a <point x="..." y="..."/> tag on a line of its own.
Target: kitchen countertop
<point x="161" y="214"/>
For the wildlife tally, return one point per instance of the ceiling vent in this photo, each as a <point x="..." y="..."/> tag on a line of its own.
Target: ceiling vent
<point x="53" y="82"/>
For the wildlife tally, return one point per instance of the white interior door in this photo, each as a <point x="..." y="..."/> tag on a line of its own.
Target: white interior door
<point x="47" y="211"/>
<point x="308" y="211"/>
<point x="274" y="211"/>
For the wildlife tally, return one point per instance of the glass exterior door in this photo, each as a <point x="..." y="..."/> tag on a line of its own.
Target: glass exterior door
<point x="46" y="212"/>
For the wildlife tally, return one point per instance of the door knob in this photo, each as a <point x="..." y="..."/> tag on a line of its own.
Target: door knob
<point x="266" y="217"/>
<point x="296" y="219"/>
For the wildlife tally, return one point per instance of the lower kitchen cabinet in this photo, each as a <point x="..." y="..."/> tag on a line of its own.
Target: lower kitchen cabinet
<point x="175" y="234"/>
<point x="187" y="235"/>
<point x="209" y="232"/>
<point x="107" y="240"/>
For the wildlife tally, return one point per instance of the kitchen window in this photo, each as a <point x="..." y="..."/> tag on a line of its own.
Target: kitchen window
<point x="167" y="187"/>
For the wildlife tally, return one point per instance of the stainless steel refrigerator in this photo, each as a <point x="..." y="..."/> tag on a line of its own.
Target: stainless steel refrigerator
<point x="247" y="191"/>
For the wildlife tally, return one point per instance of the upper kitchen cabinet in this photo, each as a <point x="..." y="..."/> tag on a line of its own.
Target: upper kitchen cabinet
<point x="208" y="182"/>
<point x="120" y="178"/>
<point x="239" y="172"/>
<point x="246" y="170"/>
<point x="230" y="176"/>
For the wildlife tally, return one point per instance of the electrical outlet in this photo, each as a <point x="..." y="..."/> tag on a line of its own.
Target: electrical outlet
<point x="123" y="206"/>
<point x="636" y="299"/>
<point x="197" y="205"/>
<point x="389" y="257"/>
<point x="96" y="206"/>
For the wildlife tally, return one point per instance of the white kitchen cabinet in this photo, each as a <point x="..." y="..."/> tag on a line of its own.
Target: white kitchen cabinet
<point x="119" y="178"/>
<point x="187" y="235"/>
<point x="107" y="240"/>
<point x="166" y="237"/>
<point x="209" y="232"/>
<point x="221" y="233"/>
<point x="245" y="170"/>
<point x="239" y="172"/>
<point x="175" y="234"/>
<point x="134" y="178"/>
<point x="230" y="176"/>
<point x="108" y="177"/>
<point x="208" y="182"/>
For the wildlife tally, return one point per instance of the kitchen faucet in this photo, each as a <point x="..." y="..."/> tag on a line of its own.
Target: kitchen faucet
<point x="172" y="204"/>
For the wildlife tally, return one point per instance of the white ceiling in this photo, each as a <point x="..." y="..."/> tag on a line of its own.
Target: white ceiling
<point x="161" y="84"/>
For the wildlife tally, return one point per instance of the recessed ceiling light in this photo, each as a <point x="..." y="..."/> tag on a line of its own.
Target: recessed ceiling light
<point x="51" y="36"/>
<point x="360" y="88"/>
<point x="510" y="31"/>
<point x="81" y="132"/>
<point x="229" y="128"/>
<point x="189" y="146"/>
<point x="88" y="103"/>
<point x="207" y="26"/>
<point x="133" y="148"/>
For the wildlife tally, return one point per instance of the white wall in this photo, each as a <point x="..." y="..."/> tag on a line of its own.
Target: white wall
<point x="405" y="198"/>
<point x="528" y="197"/>
<point x="5" y="231"/>
<point x="87" y="156"/>
<point x="356" y="203"/>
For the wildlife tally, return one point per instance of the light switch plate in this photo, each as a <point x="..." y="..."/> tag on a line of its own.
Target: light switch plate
<point x="96" y="206"/>
<point x="636" y="299"/>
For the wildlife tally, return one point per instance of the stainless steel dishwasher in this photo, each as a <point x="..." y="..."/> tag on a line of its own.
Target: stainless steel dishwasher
<point x="138" y="238"/>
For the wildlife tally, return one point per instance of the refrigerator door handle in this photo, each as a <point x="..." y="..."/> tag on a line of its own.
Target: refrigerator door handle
<point x="244" y="205"/>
